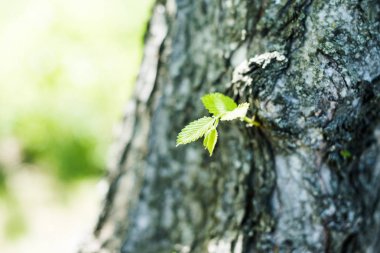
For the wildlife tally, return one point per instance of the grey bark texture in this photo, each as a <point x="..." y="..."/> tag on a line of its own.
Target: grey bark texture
<point x="308" y="180"/>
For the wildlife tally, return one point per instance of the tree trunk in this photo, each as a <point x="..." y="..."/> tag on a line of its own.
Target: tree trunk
<point x="307" y="180"/>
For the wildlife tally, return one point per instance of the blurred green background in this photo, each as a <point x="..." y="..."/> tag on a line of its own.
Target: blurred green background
<point x="67" y="67"/>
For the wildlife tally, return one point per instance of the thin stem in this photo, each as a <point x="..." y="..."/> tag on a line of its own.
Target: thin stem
<point x="252" y="121"/>
<point x="216" y="122"/>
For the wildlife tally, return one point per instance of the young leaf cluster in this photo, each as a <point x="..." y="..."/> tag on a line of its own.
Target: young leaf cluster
<point x="222" y="108"/>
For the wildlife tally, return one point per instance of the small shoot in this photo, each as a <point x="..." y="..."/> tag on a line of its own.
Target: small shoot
<point x="222" y="108"/>
<point x="345" y="153"/>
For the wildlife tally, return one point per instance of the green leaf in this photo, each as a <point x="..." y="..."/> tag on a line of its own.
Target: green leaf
<point x="195" y="130"/>
<point x="217" y="103"/>
<point x="239" y="112"/>
<point x="210" y="140"/>
<point x="345" y="154"/>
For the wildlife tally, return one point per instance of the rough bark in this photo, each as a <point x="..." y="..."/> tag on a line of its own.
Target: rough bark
<point x="287" y="186"/>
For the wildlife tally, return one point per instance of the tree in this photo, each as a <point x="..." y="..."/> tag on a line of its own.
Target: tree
<point x="307" y="180"/>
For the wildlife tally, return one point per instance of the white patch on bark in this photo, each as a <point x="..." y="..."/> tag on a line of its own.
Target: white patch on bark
<point x="220" y="246"/>
<point x="262" y="60"/>
<point x="182" y="248"/>
<point x="270" y="109"/>
<point x="143" y="220"/>
<point x="243" y="34"/>
<point x="294" y="199"/>
<point x="239" y="55"/>
<point x="265" y="58"/>
<point x="315" y="135"/>
<point x="171" y="7"/>
<point x="239" y="245"/>
<point x="239" y="73"/>
<point x="308" y="76"/>
<point x="149" y="66"/>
